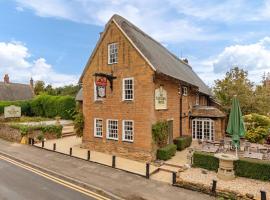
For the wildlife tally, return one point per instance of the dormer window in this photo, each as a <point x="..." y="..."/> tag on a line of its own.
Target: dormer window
<point x="113" y="53"/>
<point x="185" y="91"/>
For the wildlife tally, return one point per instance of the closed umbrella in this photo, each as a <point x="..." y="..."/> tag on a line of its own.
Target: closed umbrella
<point x="236" y="127"/>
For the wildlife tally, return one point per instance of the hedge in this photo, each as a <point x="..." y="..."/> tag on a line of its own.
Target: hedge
<point x="166" y="152"/>
<point x="45" y="106"/>
<point x="251" y="168"/>
<point x="182" y="142"/>
<point x="244" y="167"/>
<point x="205" y="160"/>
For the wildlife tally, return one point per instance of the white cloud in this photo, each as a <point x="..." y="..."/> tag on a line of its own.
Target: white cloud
<point x="15" y="60"/>
<point x="255" y="58"/>
<point x="153" y="16"/>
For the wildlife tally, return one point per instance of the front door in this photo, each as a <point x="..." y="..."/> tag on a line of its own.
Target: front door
<point x="170" y="132"/>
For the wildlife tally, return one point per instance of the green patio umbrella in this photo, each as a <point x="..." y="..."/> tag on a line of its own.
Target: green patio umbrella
<point x="236" y="127"/>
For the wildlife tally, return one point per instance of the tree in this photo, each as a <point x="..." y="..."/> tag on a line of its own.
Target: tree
<point x="262" y="99"/>
<point x="39" y="87"/>
<point x="236" y="82"/>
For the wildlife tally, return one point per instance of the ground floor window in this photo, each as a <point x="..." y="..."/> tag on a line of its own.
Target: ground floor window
<point x="203" y="128"/>
<point x="128" y="130"/>
<point x="112" y="129"/>
<point x="98" y="124"/>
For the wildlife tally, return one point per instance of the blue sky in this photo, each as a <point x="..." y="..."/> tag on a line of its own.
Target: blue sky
<point x="51" y="40"/>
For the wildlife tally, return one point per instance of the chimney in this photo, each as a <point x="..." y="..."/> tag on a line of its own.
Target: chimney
<point x="100" y="34"/>
<point x="185" y="60"/>
<point x="31" y="83"/>
<point x="6" y="79"/>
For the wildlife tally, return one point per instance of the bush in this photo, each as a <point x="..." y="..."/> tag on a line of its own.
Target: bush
<point x="166" y="152"/>
<point x="52" y="106"/>
<point x="251" y="168"/>
<point x="182" y="142"/>
<point x="79" y="124"/>
<point x="160" y="133"/>
<point x="51" y="129"/>
<point x="25" y="106"/>
<point x="258" y="127"/>
<point x="205" y="161"/>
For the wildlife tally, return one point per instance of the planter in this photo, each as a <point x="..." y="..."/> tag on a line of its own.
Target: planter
<point x="226" y="168"/>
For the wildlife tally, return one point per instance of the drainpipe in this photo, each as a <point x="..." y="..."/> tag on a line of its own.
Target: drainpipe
<point x="181" y="110"/>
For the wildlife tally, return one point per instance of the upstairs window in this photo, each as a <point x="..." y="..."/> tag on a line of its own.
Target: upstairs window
<point x="112" y="53"/>
<point x="185" y="91"/>
<point x="197" y="102"/>
<point x="128" y="89"/>
<point x="128" y="129"/>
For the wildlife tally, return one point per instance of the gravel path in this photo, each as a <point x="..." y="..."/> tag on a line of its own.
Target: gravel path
<point x="239" y="184"/>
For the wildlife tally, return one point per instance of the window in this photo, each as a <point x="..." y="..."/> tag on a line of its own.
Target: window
<point x="128" y="89"/>
<point x="128" y="130"/>
<point x="185" y="91"/>
<point x="98" y="124"/>
<point x="112" y="129"/>
<point x="197" y="102"/>
<point x="112" y="53"/>
<point x="203" y="129"/>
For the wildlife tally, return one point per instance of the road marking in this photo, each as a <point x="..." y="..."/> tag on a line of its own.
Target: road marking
<point x="57" y="180"/>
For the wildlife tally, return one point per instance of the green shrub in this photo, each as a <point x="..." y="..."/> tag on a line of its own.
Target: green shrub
<point x="40" y="137"/>
<point x="160" y="133"/>
<point x="205" y="161"/>
<point x="79" y="124"/>
<point x="251" y="168"/>
<point x="51" y="129"/>
<point x="25" y="106"/>
<point x="166" y="152"/>
<point x="258" y="127"/>
<point x="182" y="142"/>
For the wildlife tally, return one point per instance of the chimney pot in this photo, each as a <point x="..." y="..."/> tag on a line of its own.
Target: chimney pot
<point x="6" y="79"/>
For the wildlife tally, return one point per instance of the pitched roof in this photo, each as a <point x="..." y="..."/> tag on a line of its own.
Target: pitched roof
<point x="206" y="111"/>
<point x="15" y="91"/>
<point x="79" y="96"/>
<point x="159" y="58"/>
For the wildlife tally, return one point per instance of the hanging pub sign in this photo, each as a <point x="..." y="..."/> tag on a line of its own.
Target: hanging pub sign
<point x="160" y="98"/>
<point x="101" y="84"/>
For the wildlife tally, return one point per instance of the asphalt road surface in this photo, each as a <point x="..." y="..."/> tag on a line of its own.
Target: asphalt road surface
<point x="17" y="183"/>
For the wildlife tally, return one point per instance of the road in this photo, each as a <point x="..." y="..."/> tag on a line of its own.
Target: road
<point x="20" y="182"/>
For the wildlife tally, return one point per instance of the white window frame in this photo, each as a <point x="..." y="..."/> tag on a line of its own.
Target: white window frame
<point x="203" y="121"/>
<point x="124" y="131"/>
<point x="197" y="100"/>
<point x="185" y="91"/>
<point x="110" y="54"/>
<point x="95" y="127"/>
<point x="124" y="89"/>
<point x="108" y="131"/>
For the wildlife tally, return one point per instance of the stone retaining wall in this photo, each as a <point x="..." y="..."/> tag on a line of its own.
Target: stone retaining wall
<point x="226" y="194"/>
<point x="10" y="134"/>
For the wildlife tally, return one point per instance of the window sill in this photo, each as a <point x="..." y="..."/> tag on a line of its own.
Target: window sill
<point x="128" y="101"/>
<point x="96" y="136"/>
<point x="127" y="141"/>
<point x="113" y="139"/>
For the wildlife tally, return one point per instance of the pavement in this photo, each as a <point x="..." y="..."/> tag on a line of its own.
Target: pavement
<point x="105" y="179"/>
<point x="21" y="184"/>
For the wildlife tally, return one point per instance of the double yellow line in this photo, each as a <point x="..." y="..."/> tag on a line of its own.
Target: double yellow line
<point x="57" y="180"/>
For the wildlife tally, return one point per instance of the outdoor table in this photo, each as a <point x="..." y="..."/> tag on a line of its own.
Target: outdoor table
<point x="253" y="155"/>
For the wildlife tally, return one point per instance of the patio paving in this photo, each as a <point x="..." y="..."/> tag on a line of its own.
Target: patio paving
<point x="63" y="145"/>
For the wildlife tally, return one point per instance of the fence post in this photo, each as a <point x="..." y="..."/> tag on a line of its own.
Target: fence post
<point x="42" y="143"/>
<point x="173" y="178"/>
<point x="54" y="146"/>
<point x="214" y="186"/>
<point x="113" y="161"/>
<point x="70" y="151"/>
<point x="88" y="155"/>
<point x="147" y="171"/>
<point x="263" y="195"/>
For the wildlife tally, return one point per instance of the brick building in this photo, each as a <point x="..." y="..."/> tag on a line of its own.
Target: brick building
<point x="130" y="82"/>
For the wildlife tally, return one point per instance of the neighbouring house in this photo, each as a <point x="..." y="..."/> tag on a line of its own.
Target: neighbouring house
<point x="129" y="83"/>
<point x="15" y="91"/>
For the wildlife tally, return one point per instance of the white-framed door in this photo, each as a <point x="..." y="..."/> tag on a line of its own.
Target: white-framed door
<point x="203" y="129"/>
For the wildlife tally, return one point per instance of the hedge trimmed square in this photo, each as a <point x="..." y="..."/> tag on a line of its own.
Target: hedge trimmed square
<point x="182" y="142"/>
<point x="205" y="161"/>
<point x="166" y="152"/>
